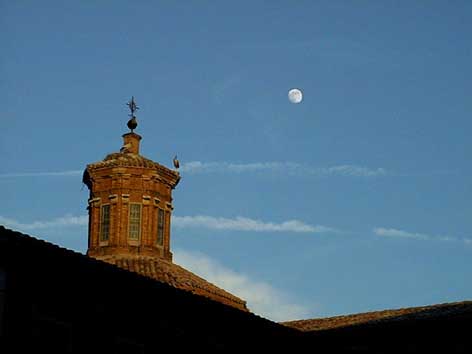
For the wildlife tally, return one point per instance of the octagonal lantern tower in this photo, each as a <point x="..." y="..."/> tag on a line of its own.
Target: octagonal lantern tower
<point x="130" y="202"/>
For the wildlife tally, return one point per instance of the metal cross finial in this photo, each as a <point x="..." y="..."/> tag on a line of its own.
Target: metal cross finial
<point x="132" y="123"/>
<point x="132" y="106"/>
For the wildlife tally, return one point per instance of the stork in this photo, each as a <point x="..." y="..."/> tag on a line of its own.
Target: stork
<point x="176" y="162"/>
<point x="125" y="148"/>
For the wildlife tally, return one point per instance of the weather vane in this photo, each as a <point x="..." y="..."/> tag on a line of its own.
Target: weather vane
<point x="132" y="123"/>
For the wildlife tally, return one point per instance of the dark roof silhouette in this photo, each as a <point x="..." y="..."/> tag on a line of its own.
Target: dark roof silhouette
<point x="176" y="276"/>
<point x="62" y="299"/>
<point x="374" y="317"/>
<point x="159" y="270"/>
<point x="76" y="296"/>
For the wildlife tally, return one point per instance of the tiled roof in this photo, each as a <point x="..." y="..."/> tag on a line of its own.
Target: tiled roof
<point x="176" y="276"/>
<point x="124" y="159"/>
<point x="160" y="270"/>
<point x="409" y="313"/>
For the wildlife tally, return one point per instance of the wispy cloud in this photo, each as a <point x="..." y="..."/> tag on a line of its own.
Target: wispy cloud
<point x="195" y="167"/>
<point x="246" y="224"/>
<point x="199" y="221"/>
<point x="291" y="168"/>
<point x="43" y="174"/>
<point x="261" y="297"/>
<point x="64" y="221"/>
<point x="395" y="233"/>
<point x="380" y="231"/>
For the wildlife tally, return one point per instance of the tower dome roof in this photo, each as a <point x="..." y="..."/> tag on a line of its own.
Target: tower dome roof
<point x="125" y="159"/>
<point x="120" y="159"/>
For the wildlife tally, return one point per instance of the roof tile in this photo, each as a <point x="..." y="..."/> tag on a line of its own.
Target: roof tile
<point x="317" y="324"/>
<point x="176" y="276"/>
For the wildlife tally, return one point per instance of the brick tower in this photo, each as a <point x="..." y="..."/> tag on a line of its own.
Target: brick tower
<point x="130" y="208"/>
<point x="130" y="202"/>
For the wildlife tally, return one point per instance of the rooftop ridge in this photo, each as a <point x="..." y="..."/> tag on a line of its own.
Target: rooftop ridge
<point x="324" y="323"/>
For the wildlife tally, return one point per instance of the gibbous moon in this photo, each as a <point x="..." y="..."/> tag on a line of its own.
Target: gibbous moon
<point x="295" y="95"/>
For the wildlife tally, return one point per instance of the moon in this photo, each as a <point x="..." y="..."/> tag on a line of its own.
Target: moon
<point x="295" y="95"/>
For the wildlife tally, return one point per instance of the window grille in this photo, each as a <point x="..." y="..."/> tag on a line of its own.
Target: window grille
<point x="105" y="223"/>
<point x="160" y="227"/>
<point x="134" y="221"/>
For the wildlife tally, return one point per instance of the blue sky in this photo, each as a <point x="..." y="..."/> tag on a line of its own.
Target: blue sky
<point x="356" y="199"/>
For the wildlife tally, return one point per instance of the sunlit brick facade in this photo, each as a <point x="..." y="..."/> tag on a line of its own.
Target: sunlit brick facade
<point x="130" y="204"/>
